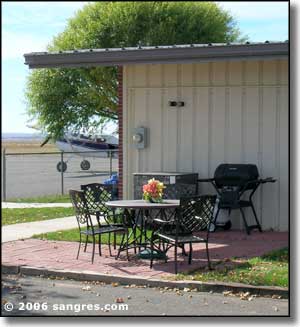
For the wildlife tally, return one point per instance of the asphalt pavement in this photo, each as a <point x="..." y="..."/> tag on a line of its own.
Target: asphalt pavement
<point x="35" y="296"/>
<point x="36" y="175"/>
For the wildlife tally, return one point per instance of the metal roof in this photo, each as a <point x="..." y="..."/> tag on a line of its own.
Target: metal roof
<point x="158" y="54"/>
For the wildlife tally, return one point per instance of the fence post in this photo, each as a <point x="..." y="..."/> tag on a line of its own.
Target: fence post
<point x="110" y="163"/>
<point x="4" y="174"/>
<point x="62" y="171"/>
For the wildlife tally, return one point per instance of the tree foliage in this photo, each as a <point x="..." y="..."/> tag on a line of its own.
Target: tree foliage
<point x="62" y="98"/>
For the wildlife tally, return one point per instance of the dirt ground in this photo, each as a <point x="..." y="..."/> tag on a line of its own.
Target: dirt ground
<point x="27" y="147"/>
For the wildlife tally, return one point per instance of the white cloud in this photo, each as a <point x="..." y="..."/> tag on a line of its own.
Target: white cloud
<point x="257" y="10"/>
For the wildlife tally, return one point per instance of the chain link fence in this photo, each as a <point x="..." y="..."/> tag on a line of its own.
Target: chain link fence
<point x="39" y="174"/>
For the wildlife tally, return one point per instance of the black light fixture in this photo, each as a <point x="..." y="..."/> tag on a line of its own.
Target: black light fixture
<point x="176" y="103"/>
<point x="172" y="103"/>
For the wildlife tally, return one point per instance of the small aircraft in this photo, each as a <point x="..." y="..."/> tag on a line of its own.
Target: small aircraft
<point x="93" y="146"/>
<point x="86" y="146"/>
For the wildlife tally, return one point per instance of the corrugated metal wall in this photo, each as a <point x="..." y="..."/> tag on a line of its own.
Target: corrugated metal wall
<point x="235" y="112"/>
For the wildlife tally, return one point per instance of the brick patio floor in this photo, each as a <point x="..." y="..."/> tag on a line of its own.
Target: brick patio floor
<point x="62" y="255"/>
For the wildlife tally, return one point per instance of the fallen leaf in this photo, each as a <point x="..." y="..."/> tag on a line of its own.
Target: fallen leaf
<point x="226" y="293"/>
<point x="276" y="296"/>
<point x="244" y="296"/>
<point x="119" y="300"/>
<point x="114" y="284"/>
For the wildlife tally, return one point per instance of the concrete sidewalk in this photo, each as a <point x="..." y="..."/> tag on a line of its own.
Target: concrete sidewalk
<point x="14" y="205"/>
<point x="21" y="231"/>
<point x="25" y="230"/>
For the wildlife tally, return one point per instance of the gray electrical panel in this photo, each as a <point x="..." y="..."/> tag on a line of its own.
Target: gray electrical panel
<point x="140" y="137"/>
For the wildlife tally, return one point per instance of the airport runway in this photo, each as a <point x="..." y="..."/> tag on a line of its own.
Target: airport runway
<point x="34" y="175"/>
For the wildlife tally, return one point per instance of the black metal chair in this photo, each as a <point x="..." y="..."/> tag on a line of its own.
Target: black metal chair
<point x="232" y="183"/>
<point x="194" y="214"/>
<point x="96" y="195"/>
<point x="86" y="226"/>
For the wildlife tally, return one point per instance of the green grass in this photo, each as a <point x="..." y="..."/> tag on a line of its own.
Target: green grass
<point x="269" y="270"/>
<point x="43" y="199"/>
<point x="15" y="216"/>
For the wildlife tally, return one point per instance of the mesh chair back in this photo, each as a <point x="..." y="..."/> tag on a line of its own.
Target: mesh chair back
<point x="96" y="195"/>
<point x="80" y="207"/>
<point x="196" y="213"/>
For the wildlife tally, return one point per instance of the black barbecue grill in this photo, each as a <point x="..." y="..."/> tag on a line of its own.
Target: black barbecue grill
<point x="235" y="185"/>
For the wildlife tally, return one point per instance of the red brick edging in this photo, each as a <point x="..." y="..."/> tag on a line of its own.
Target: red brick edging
<point x="120" y="121"/>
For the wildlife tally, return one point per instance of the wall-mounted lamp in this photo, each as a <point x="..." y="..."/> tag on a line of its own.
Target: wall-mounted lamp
<point x="176" y="103"/>
<point x="172" y="103"/>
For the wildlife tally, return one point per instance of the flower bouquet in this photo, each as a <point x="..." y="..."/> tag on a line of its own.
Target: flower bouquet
<point x="153" y="191"/>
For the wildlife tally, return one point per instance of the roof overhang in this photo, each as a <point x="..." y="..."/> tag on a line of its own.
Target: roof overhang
<point x="158" y="55"/>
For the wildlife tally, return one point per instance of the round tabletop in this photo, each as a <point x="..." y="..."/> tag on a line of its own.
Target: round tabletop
<point x="142" y="204"/>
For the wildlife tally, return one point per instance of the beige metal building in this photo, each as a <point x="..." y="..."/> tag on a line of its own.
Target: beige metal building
<point x="235" y="110"/>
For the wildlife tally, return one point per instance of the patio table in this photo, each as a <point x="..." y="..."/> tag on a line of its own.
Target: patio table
<point x="136" y="215"/>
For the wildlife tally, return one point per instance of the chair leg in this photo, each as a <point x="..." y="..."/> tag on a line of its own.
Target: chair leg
<point x="115" y="240"/>
<point x="134" y="238"/>
<point x="175" y="253"/>
<point x="151" y="247"/>
<point x="165" y="252"/>
<point x="190" y="254"/>
<point x="127" y="240"/>
<point x="207" y="254"/>
<point x="109" y="245"/>
<point x="183" y="251"/>
<point x="121" y="245"/>
<point x="86" y="242"/>
<point x="256" y="219"/>
<point x="141" y="237"/>
<point x="79" y="246"/>
<point x="245" y="221"/>
<point x="99" y="245"/>
<point x="145" y="237"/>
<point x="94" y="244"/>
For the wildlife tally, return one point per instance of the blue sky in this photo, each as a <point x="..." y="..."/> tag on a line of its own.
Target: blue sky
<point x="30" y="26"/>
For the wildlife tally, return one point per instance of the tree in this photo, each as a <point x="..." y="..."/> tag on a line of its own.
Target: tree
<point x="62" y="98"/>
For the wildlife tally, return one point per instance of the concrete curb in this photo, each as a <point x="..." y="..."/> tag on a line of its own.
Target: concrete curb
<point x="217" y="287"/>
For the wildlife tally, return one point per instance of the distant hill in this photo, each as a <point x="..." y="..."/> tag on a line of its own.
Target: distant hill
<point x="21" y="136"/>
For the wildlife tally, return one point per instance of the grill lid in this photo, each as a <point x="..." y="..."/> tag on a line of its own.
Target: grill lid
<point x="235" y="174"/>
